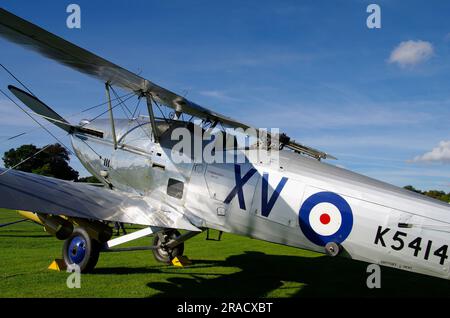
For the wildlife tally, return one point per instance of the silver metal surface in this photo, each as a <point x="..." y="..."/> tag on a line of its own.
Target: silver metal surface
<point x="215" y="195"/>
<point x="30" y="192"/>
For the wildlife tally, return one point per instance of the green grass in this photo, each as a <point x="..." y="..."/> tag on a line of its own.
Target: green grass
<point x="234" y="267"/>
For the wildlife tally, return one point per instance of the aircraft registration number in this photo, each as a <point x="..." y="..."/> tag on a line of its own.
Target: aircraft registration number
<point x="419" y="247"/>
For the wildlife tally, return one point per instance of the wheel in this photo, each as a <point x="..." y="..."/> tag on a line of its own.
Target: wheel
<point x="163" y="254"/>
<point x="82" y="250"/>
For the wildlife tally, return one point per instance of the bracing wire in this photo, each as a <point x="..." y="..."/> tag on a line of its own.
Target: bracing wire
<point x="35" y="120"/>
<point x="25" y="160"/>
<point x="122" y="106"/>
<point x="104" y="112"/>
<point x="42" y="126"/>
<point x="136" y="108"/>
<point x="18" y="81"/>
<point x="68" y="117"/>
<point x="102" y="104"/>
<point x="161" y="112"/>
<point x="121" y="102"/>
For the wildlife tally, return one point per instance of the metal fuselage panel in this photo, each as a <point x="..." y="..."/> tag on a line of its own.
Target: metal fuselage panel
<point x="296" y="201"/>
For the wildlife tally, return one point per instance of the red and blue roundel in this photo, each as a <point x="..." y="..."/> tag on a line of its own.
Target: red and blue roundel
<point x="326" y="217"/>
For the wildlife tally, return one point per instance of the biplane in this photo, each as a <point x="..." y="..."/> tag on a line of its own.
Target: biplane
<point x="292" y="197"/>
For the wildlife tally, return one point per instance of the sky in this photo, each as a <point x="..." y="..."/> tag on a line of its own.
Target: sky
<point x="378" y="99"/>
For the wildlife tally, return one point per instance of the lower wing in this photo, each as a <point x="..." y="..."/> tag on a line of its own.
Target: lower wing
<point x="30" y="192"/>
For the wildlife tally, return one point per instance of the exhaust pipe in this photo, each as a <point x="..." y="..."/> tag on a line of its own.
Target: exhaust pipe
<point x="53" y="224"/>
<point x="62" y="228"/>
<point x="97" y="230"/>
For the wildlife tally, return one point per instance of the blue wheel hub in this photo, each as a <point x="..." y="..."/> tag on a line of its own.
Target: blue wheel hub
<point x="77" y="249"/>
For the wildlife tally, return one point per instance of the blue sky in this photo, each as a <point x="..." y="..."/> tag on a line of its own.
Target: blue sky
<point x="378" y="99"/>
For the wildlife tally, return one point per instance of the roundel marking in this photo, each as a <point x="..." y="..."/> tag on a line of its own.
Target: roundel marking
<point x="326" y="217"/>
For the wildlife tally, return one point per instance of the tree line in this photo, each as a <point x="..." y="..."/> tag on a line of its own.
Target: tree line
<point x="51" y="161"/>
<point x="435" y="194"/>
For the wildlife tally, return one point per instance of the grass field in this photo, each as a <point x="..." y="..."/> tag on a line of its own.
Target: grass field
<point x="234" y="267"/>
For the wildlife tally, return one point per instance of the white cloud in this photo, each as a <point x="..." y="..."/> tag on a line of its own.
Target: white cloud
<point x="441" y="153"/>
<point x="219" y="95"/>
<point x="410" y="53"/>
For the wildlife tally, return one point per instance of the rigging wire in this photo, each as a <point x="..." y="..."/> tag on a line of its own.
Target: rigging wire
<point x="35" y="120"/>
<point x="68" y="117"/>
<point x="42" y="126"/>
<point x="122" y="104"/>
<point x="104" y="112"/>
<point x="18" y="81"/>
<point x="47" y="125"/>
<point x="12" y="223"/>
<point x="136" y="108"/>
<point x="102" y="104"/>
<point x="137" y="120"/>
<point x="25" y="160"/>
<point x="165" y="119"/>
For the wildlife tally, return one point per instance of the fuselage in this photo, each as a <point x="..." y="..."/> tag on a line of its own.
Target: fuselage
<point x="294" y="200"/>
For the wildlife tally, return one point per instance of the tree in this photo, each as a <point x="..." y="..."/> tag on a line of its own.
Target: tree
<point x="440" y="195"/>
<point x="90" y="179"/>
<point x="435" y="194"/>
<point x="411" y="188"/>
<point x="51" y="162"/>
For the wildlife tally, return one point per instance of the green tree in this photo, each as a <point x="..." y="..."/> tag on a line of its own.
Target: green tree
<point x="435" y="194"/>
<point x="411" y="188"/>
<point x="52" y="162"/>
<point x="440" y="195"/>
<point x="90" y="179"/>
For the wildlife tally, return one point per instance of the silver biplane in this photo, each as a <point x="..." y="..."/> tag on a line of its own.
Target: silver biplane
<point x="296" y="200"/>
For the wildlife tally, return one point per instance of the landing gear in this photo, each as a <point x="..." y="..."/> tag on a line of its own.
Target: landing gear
<point x="82" y="250"/>
<point x="164" y="253"/>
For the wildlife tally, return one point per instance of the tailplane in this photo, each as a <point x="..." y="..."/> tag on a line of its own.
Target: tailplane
<point x="49" y="114"/>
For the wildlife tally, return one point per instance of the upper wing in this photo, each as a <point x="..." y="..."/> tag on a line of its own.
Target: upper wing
<point x="30" y="35"/>
<point x="31" y="192"/>
<point x="54" y="47"/>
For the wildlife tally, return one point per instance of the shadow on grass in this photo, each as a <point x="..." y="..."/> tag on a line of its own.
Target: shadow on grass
<point x="199" y="264"/>
<point x="261" y="274"/>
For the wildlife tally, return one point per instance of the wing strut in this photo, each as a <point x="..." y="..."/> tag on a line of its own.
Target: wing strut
<point x="152" y="117"/>
<point x="111" y="115"/>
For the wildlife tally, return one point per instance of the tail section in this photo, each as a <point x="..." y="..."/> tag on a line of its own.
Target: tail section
<point x="40" y="108"/>
<point x="49" y="114"/>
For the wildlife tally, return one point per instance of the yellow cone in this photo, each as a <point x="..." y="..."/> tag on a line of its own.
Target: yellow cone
<point x="181" y="261"/>
<point x="58" y="265"/>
